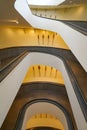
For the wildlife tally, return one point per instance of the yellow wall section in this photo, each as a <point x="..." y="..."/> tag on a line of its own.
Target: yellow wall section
<point x="64" y="13"/>
<point x="43" y="73"/>
<point x="29" y="37"/>
<point x="44" y="120"/>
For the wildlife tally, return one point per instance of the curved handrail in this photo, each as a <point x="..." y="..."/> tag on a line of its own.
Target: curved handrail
<point x="20" y="119"/>
<point x="11" y="65"/>
<point x="78" y="91"/>
<point x="10" y="62"/>
<point x="80" y="26"/>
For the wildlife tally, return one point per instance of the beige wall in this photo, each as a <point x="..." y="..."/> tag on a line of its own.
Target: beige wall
<point x="29" y="37"/>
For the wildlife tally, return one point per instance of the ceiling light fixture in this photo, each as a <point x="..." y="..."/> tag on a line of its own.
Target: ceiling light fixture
<point x="10" y="21"/>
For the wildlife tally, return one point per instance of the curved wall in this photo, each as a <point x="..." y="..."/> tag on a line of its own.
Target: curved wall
<point x="10" y="37"/>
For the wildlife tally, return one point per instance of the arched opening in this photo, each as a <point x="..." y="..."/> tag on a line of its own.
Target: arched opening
<point x="43" y="106"/>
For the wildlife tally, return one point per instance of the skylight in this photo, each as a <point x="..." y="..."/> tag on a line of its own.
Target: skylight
<point x="45" y="2"/>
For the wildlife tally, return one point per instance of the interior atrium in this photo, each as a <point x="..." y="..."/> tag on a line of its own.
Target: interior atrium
<point x="43" y="65"/>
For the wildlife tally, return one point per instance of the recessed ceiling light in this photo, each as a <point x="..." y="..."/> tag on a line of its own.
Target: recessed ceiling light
<point x="10" y="21"/>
